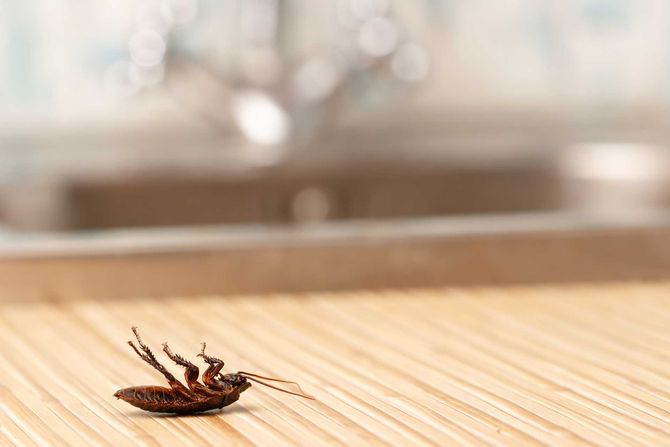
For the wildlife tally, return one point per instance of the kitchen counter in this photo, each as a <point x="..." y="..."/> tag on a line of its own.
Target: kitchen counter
<point x="559" y="365"/>
<point x="429" y="252"/>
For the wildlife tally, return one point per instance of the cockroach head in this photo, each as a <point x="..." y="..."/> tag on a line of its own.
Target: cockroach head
<point x="244" y="386"/>
<point x="237" y="382"/>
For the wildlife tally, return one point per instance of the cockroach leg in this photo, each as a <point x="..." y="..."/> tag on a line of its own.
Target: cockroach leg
<point x="149" y="357"/>
<point x="191" y="374"/>
<point x="208" y="359"/>
<point x="215" y="367"/>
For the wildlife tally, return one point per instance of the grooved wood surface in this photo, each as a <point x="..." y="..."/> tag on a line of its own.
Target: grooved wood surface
<point x="568" y="365"/>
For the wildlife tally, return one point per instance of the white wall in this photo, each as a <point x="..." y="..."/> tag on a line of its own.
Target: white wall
<point x="55" y="55"/>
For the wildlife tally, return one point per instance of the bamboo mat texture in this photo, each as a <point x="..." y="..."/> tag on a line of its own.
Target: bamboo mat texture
<point x="565" y="366"/>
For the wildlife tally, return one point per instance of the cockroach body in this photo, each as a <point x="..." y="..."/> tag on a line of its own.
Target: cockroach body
<point x="164" y="400"/>
<point x="216" y="391"/>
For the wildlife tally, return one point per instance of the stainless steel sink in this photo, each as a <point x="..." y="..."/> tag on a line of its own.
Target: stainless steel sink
<point x="392" y="169"/>
<point x="283" y="195"/>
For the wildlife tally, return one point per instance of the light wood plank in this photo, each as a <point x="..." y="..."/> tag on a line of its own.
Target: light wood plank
<point x="524" y="366"/>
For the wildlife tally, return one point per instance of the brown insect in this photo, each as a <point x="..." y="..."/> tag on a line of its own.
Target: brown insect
<point x="217" y="390"/>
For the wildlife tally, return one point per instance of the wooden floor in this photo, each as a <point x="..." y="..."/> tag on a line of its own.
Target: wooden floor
<point x="581" y="365"/>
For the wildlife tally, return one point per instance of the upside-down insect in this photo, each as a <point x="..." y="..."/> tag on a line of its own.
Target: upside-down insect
<point x="217" y="390"/>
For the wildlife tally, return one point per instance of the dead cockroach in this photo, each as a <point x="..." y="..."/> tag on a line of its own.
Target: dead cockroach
<point x="217" y="390"/>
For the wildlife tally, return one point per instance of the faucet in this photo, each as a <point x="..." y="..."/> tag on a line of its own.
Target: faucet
<point x="273" y="96"/>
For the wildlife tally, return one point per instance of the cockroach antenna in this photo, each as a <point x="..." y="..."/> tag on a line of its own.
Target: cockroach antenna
<point x="255" y="377"/>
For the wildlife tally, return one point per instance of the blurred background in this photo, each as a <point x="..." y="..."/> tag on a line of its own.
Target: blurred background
<point x="253" y="149"/>
<point x="162" y="113"/>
